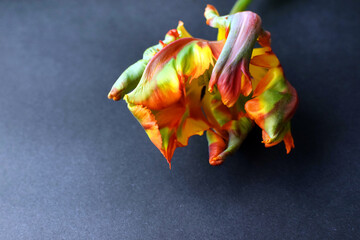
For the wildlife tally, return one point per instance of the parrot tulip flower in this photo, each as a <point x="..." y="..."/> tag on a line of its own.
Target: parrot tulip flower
<point x="185" y="86"/>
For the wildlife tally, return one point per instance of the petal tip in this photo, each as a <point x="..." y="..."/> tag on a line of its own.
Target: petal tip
<point x="215" y="161"/>
<point x="115" y="94"/>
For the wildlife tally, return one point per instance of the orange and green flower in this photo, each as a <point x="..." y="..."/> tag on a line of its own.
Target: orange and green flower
<point x="185" y="86"/>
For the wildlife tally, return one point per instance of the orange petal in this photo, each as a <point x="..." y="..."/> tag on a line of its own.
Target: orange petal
<point x="216" y="146"/>
<point x="232" y="83"/>
<point x="289" y="142"/>
<point x="267" y="60"/>
<point x="148" y="122"/>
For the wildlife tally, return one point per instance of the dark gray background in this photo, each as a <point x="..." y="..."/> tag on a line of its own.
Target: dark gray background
<point x="75" y="165"/>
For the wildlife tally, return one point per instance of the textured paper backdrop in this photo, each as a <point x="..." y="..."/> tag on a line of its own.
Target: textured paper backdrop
<point x="75" y="165"/>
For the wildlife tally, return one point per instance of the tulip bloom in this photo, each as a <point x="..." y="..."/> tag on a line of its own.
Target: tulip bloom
<point x="185" y="86"/>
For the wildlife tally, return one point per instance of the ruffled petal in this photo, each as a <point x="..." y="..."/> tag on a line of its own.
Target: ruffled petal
<point x="261" y="61"/>
<point x="217" y="113"/>
<point x="233" y="81"/>
<point x="284" y="135"/>
<point x="227" y="140"/>
<point x="183" y="33"/>
<point x="163" y="80"/>
<point x="217" y="145"/>
<point x="148" y="122"/>
<point x="231" y="71"/>
<point x="170" y="127"/>
<point x="266" y="60"/>
<point x="214" y="20"/>
<point x="128" y="80"/>
<point x="274" y="99"/>
<point x="170" y="93"/>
